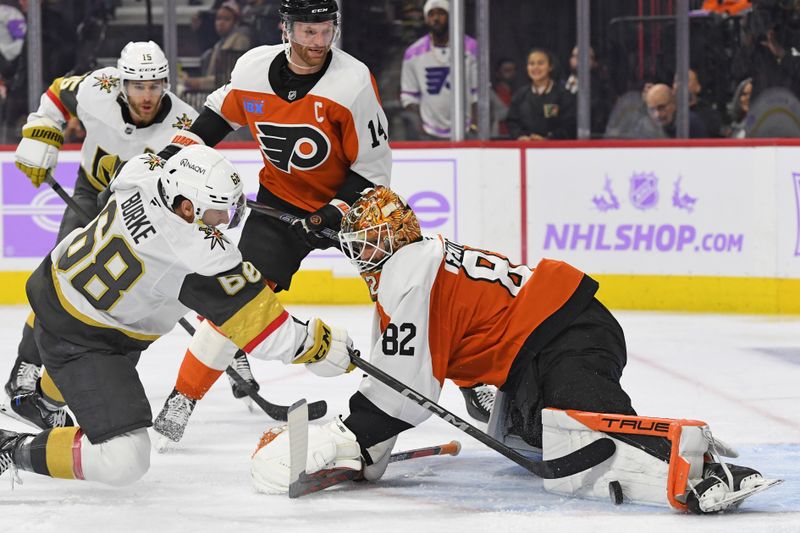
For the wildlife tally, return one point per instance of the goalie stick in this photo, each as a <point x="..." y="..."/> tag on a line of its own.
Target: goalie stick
<point x="301" y="483"/>
<point x="582" y="459"/>
<point x="298" y="446"/>
<point x="274" y="411"/>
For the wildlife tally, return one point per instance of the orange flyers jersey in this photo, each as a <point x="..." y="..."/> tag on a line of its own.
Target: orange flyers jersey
<point x="449" y="311"/>
<point x="309" y="144"/>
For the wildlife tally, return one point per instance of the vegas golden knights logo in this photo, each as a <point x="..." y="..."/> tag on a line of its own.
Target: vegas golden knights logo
<point x="288" y="146"/>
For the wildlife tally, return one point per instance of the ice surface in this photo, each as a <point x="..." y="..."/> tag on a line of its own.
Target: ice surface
<point x="741" y="374"/>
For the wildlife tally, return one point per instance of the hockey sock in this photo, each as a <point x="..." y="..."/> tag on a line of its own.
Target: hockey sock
<point x="54" y="452"/>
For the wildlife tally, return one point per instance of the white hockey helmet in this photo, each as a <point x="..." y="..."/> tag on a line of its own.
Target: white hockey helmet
<point x="203" y="176"/>
<point x="143" y="61"/>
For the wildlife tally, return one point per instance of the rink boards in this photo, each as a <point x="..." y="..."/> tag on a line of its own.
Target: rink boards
<point x="711" y="226"/>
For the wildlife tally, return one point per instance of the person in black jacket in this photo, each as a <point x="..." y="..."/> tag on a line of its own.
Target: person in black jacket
<point x="544" y="109"/>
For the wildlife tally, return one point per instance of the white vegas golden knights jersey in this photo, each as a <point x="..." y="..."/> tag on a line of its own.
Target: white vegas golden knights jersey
<point x="111" y="136"/>
<point x="137" y="268"/>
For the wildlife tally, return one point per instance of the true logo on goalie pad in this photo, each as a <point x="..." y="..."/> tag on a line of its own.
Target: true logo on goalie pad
<point x="288" y="146"/>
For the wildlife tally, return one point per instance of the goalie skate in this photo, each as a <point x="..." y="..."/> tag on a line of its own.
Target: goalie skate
<point x="718" y="492"/>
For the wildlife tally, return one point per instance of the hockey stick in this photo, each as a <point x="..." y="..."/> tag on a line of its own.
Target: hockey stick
<point x="264" y="209"/>
<point x="298" y="446"/>
<point x="310" y="483"/>
<point x="274" y="411"/>
<point x="582" y="459"/>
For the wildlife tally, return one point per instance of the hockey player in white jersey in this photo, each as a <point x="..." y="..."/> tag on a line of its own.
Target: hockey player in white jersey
<point x="449" y="311"/>
<point x="110" y="289"/>
<point x="126" y="110"/>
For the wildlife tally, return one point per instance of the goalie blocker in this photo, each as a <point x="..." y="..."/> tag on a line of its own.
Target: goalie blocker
<point x="657" y="461"/>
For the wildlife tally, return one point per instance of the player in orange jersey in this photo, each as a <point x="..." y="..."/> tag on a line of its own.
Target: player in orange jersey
<point x="445" y="310"/>
<point x="316" y="115"/>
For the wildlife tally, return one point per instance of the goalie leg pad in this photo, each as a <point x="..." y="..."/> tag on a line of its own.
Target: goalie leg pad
<point x="645" y="475"/>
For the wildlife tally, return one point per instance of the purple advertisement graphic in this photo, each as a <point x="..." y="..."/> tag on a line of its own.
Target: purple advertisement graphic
<point x="31" y="216"/>
<point x="627" y="235"/>
<point x="434" y="200"/>
<point x="796" y="180"/>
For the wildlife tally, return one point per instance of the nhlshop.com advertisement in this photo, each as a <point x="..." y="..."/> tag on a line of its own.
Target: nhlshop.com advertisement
<point x="669" y="211"/>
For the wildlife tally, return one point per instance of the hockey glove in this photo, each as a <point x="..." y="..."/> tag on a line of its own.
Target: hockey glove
<point x="326" y="350"/>
<point x="37" y="152"/>
<point x="328" y="216"/>
<point x="330" y="446"/>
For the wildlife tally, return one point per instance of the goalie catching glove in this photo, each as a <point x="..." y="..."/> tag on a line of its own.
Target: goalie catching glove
<point x="37" y="152"/>
<point x="330" y="447"/>
<point x="326" y="350"/>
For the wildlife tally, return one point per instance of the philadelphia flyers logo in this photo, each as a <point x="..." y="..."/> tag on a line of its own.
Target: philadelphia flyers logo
<point x="289" y="146"/>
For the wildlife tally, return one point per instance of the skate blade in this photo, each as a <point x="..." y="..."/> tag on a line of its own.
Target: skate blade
<point x="6" y="409"/>
<point x="163" y="444"/>
<point x="735" y="499"/>
<point x="248" y="402"/>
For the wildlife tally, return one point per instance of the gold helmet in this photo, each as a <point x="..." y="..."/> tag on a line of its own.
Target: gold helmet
<point x="377" y="225"/>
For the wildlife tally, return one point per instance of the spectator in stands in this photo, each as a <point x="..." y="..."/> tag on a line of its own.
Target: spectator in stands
<point x="543" y="109"/>
<point x="602" y="96"/>
<point x="707" y="114"/>
<point x="505" y="73"/>
<point x="262" y="21"/>
<point x="59" y="41"/>
<point x="738" y="108"/>
<point x="766" y="54"/>
<point x="661" y="114"/>
<point x="217" y="62"/>
<point x="425" y="82"/>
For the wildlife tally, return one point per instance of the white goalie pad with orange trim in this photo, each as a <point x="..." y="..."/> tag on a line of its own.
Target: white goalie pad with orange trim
<point x="641" y="476"/>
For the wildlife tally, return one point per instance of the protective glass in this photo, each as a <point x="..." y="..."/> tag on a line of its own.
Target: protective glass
<point x="226" y="218"/>
<point x="138" y="88"/>
<point x="314" y="34"/>
<point x="368" y="248"/>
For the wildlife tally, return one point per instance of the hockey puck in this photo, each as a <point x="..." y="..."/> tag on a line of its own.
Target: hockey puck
<point x="615" y="492"/>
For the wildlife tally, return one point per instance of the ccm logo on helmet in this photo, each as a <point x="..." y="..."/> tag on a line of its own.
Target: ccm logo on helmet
<point x="191" y="166"/>
<point x="290" y="146"/>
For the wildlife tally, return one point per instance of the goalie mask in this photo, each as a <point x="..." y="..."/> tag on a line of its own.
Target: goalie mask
<point x="203" y="176"/>
<point x="377" y="225"/>
<point x="142" y="61"/>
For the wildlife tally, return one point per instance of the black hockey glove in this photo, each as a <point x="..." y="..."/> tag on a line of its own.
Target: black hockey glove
<point x="308" y="229"/>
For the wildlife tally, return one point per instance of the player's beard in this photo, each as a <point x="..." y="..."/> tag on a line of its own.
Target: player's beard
<point x="144" y="112"/>
<point x="309" y="57"/>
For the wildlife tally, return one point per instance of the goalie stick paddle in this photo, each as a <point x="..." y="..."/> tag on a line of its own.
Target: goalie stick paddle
<point x="582" y="459"/>
<point x="264" y="209"/>
<point x="298" y="446"/>
<point x="274" y="411"/>
<point x="322" y="480"/>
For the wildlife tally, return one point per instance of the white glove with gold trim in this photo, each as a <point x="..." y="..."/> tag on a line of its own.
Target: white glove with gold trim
<point x="37" y="152"/>
<point x="326" y="350"/>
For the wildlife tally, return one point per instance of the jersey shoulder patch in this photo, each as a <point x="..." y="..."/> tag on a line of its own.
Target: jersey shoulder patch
<point x="97" y="95"/>
<point x="181" y="115"/>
